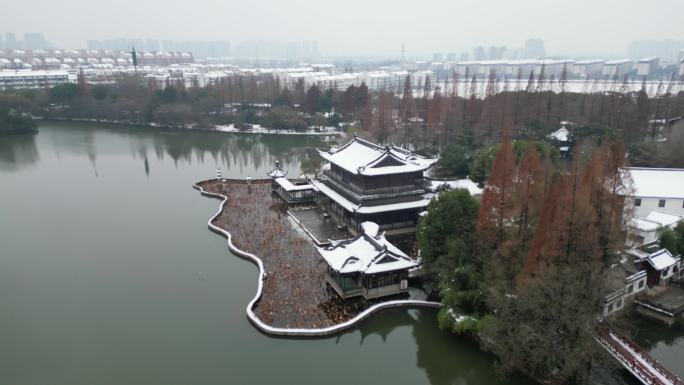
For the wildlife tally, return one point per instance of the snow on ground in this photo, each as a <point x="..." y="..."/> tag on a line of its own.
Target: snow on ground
<point x="467" y="184"/>
<point x="258" y="129"/>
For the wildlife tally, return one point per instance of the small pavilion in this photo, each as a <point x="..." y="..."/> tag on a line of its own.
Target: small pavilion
<point x="367" y="265"/>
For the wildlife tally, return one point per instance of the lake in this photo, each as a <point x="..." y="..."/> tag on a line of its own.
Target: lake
<point x="109" y="275"/>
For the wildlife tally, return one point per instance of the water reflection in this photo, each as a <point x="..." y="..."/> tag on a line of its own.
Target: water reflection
<point x="239" y="155"/>
<point x="106" y="294"/>
<point x="665" y="343"/>
<point x="444" y="357"/>
<point x="18" y="151"/>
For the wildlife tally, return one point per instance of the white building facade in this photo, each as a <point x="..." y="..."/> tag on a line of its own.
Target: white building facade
<point x="32" y="79"/>
<point x="655" y="189"/>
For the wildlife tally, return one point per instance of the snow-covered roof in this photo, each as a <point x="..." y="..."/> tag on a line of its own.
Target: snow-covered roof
<point x="656" y="220"/>
<point x="289" y="186"/>
<point x="618" y="62"/>
<point x="562" y="134"/>
<point x="34" y="74"/>
<point x="644" y="224"/>
<point x="277" y="172"/>
<point x="352" y="207"/>
<point x="661" y="259"/>
<point x="368" y="253"/>
<point x="466" y="184"/>
<point x="588" y="62"/>
<point x="359" y="156"/>
<point x="657" y="182"/>
<point x="663" y="218"/>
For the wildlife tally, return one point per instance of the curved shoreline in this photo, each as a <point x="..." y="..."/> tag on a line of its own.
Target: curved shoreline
<point x="216" y="128"/>
<point x="296" y="332"/>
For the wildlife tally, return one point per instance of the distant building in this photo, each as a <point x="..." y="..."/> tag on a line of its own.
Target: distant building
<point x="466" y="67"/>
<point x="534" y="48"/>
<point x="35" y="40"/>
<point x="496" y="53"/>
<point x="554" y="67"/>
<point x="479" y="53"/>
<point x="32" y="79"/>
<point x="617" y="67"/>
<point x="11" y="41"/>
<point x="681" y="68"/>
<point x="310" y="49"/>
<point x="647" y="66"/>
<point x="585" y="68"/>
<point x="666" y="49"/>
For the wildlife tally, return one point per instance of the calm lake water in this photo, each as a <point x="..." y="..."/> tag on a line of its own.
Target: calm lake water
<point x="109" y="275"/>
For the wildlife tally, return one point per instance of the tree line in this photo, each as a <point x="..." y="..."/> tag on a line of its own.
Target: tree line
<point x="459" y="111"/>
<point x="523" y="270"/>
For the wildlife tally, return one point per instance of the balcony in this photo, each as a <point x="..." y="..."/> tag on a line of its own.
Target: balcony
<point x="359" y="192"/>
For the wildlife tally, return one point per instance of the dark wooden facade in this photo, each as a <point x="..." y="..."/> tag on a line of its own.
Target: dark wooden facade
<point x="368" y="286"/>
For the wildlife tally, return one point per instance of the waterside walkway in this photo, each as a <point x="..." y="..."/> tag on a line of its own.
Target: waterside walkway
<point x="636" y="360"/>
<point x="292" y="296"/>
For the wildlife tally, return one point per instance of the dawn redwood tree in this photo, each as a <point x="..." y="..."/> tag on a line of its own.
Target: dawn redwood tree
<point x="406" y="109"/>
<point x="434" y="117"/>
<point x="496" y="212"/>
<point x="313" y="100"/>
<point x="300" y="92"/>
<point x="473" y="104"/>
<point x="529" y="192"/>
<point x="384" y="122"/>
<point x="606" y="186"/>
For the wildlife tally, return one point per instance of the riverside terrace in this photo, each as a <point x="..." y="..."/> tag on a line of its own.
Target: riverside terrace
<point x="294" y="292"/>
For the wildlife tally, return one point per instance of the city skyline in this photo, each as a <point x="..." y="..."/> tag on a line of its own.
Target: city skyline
<point x="579" y="28"/>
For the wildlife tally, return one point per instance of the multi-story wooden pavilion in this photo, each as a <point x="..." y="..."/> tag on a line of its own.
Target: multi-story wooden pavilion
<point x="368" y="182"/>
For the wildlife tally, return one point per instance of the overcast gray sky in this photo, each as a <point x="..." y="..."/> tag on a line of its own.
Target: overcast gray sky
<point x="357" y="27"/>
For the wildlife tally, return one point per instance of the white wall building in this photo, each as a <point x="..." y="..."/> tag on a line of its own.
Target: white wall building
<point x="656" y="189"/>
<point x="625" y="280"/>
<point x="554" y="67"/>
<point x="646" y="230"/>
<point x="647" y="66"/>
<point x="32" y="79"/>
<point x="617" y="67"/>
<point x="587" y="67"/>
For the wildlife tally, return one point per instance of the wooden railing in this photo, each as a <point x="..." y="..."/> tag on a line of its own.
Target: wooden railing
<point x="645" y="368"/>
